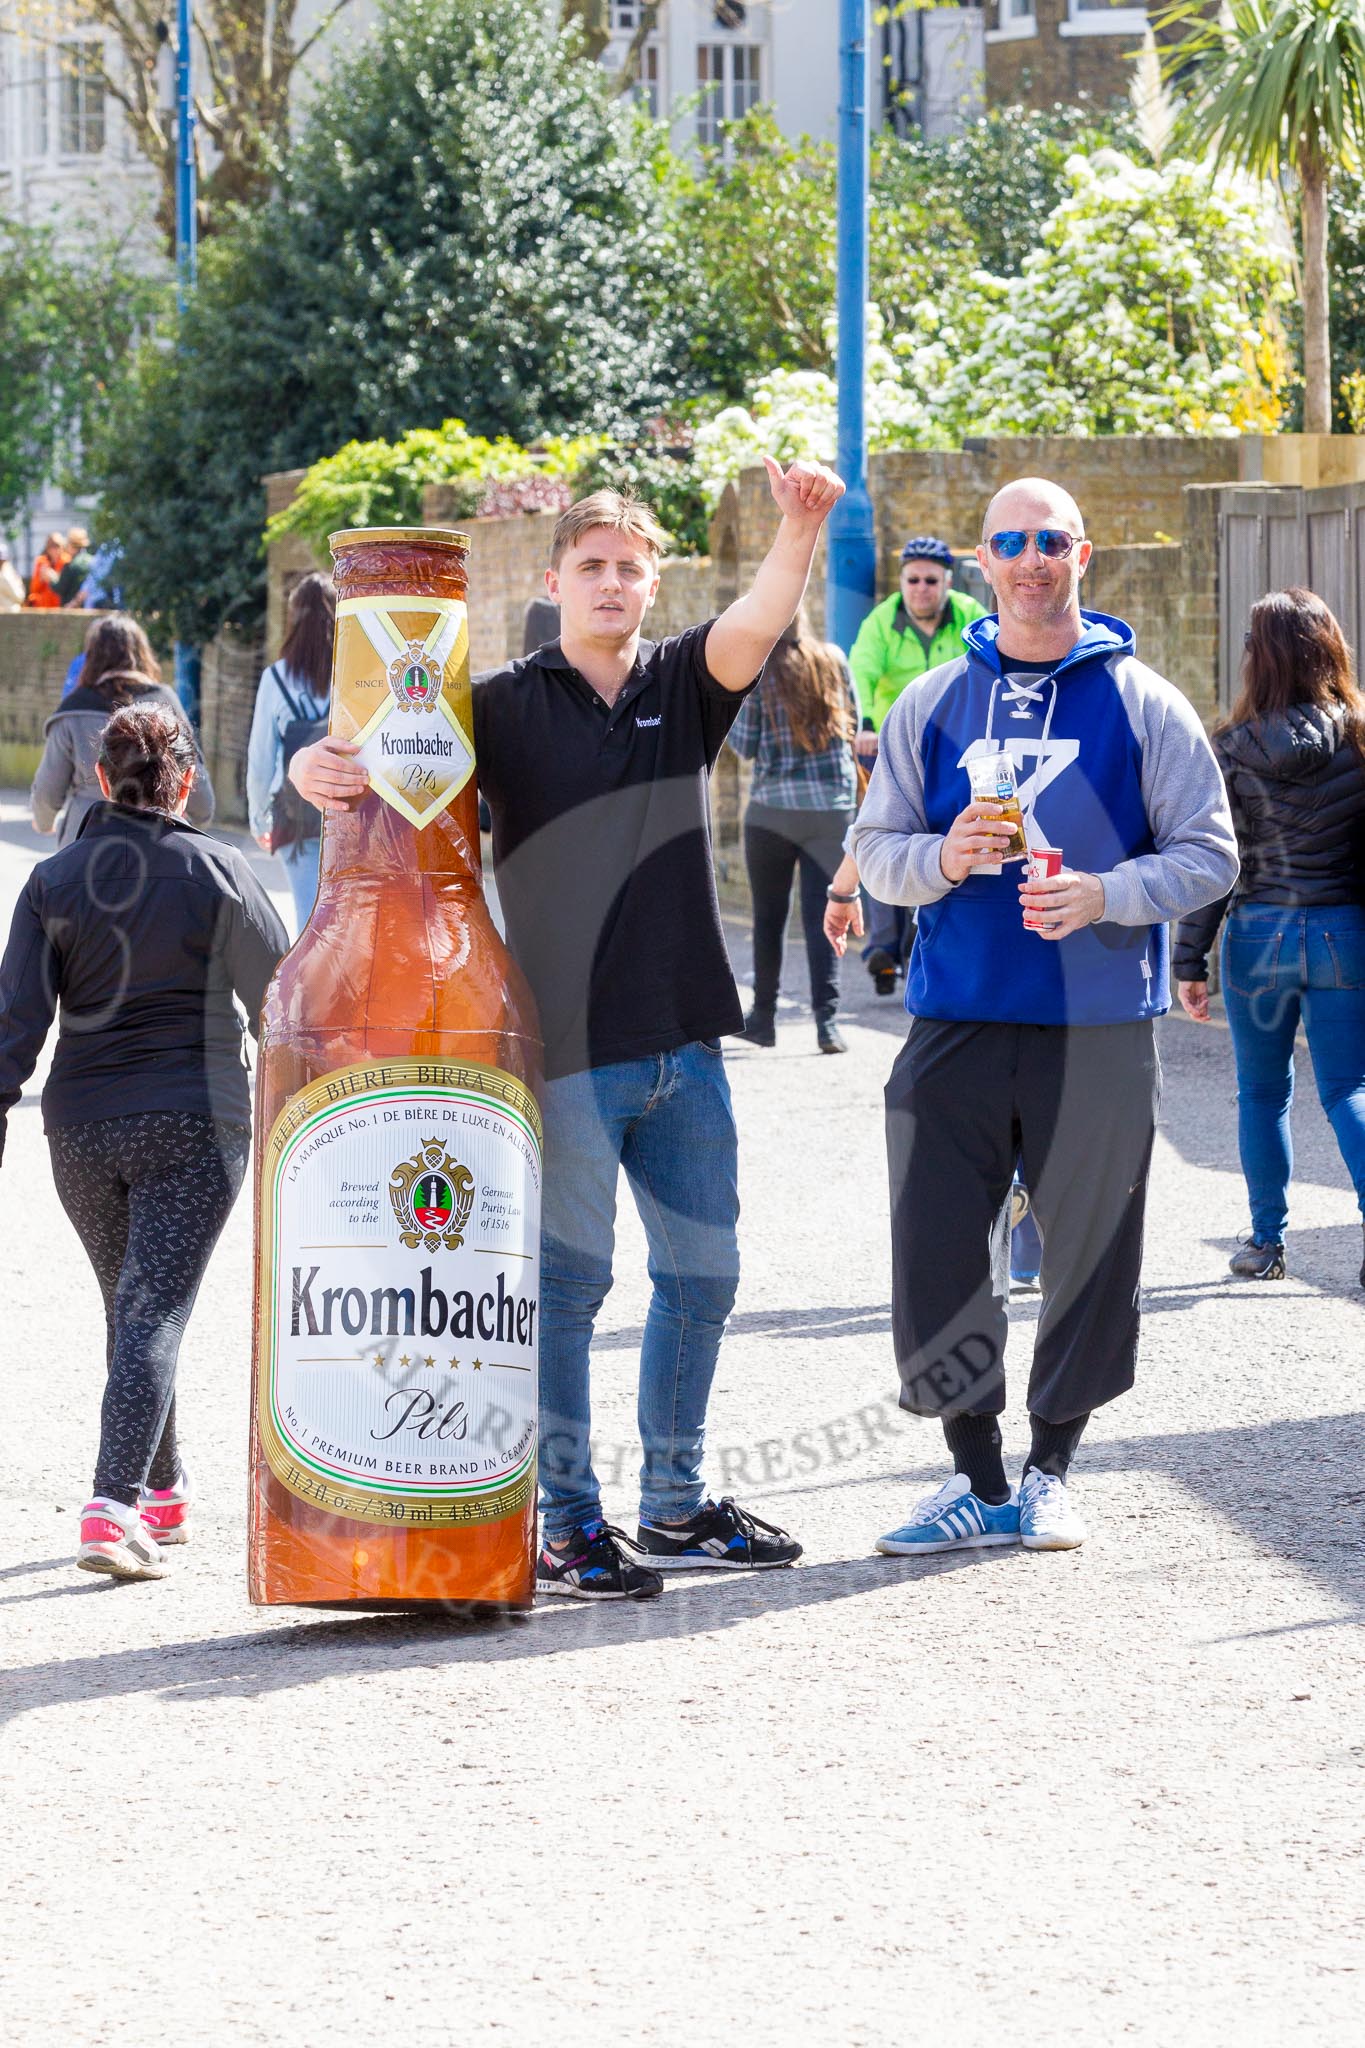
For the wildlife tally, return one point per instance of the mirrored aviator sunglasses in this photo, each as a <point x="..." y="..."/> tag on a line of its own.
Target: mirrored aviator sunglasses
<point x="1051" y="541"/>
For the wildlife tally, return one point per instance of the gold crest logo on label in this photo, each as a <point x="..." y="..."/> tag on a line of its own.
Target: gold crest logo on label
<point x="415" y="679"/>
<point x="432" y="1196"/>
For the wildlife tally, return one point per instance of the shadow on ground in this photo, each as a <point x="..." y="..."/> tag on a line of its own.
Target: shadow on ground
<point x="1255" y="1478"/>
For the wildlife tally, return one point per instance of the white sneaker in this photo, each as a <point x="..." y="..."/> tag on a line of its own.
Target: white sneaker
<point x="115" y="1541"/>
<point x="1047" y="1520"/>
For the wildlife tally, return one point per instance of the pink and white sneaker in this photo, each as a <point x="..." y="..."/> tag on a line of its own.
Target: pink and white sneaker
<point x="115" y="1541"/>
<point x="166" y="1510"/>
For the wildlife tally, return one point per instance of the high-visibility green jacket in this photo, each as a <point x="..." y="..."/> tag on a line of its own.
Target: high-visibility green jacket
<point x="888" y="653"/>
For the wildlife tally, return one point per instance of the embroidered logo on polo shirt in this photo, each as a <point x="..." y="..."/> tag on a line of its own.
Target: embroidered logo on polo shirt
<point x="657" y="719"/>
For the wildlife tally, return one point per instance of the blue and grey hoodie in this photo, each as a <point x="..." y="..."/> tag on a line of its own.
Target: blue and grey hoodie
<point x="1113" y="767"/>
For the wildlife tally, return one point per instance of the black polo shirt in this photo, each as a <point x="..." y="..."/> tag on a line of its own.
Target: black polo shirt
<point x="602" y="843"/>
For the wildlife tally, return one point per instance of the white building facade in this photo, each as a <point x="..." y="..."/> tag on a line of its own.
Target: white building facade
<point x="709" y="61"/>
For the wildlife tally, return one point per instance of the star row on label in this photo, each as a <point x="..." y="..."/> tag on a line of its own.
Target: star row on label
<point x="381" y="1362"/>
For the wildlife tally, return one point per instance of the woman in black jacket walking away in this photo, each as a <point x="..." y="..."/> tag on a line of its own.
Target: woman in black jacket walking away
<point x="144" y="931"/>
<point x="1292" y="753"/>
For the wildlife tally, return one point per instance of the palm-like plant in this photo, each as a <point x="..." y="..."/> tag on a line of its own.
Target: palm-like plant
<point x="1278" y="86"/>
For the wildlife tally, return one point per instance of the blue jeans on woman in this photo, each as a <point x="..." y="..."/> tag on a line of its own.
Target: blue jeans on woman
<point x="667" y="1119"/>
<point x="1280" y="964"/>
<point x="301" y="865"/>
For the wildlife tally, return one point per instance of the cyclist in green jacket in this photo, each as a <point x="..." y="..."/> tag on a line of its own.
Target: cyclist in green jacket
<point x="919" y="627"/>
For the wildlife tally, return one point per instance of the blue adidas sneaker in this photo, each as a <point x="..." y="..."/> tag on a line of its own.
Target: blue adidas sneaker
<point x="953" y="1519"/>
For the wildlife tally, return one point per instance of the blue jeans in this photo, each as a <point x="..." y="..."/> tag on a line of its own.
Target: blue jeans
<point x="1280" y="964"/>
<point x="666" y="1119"/>
<point x="301" y="866"/>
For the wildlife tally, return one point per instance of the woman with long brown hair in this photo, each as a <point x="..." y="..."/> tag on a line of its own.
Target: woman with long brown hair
<point x="1292" y="751"/>
<point x="797" y="728"/>
<point x="291" y="712"/>
<point x="119" y="669"/>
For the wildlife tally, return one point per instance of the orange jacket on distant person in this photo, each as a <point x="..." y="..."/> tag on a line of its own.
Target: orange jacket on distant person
<point x="42" y="589"/>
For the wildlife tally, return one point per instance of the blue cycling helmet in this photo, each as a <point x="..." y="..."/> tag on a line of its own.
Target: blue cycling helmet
<point x="926" y="548"/>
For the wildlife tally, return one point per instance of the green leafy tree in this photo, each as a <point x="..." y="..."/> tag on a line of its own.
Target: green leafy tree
<point x="1150" y="306"/>
<point x="1346" y="268"/>
<point x="66" y="325"/>
<point x="757" y="223"/>
<point x="1001" y="176"/>
<point x="469" y="228"/>
<point x="1277" y="87"/>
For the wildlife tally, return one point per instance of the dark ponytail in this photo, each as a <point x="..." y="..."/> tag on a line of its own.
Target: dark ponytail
<point x="146" y="751"/>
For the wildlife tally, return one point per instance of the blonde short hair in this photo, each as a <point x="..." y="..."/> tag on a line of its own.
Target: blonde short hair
<point x="610" y="509"/>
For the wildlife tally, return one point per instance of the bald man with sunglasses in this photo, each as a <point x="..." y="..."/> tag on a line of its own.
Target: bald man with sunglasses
<point x="1033" y="1006"/>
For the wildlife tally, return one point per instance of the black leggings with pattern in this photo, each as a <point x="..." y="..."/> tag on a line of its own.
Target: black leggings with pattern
<point x="148" y="1195"/>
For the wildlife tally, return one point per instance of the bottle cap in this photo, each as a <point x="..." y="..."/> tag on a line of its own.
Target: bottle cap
<point x="411" y="536"/>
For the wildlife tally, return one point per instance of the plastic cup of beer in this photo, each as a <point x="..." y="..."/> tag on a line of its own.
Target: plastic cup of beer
<point x="993" y="781"/>
<point x="1043" y="863"/>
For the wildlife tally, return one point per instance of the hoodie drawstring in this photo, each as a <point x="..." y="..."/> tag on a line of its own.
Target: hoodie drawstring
<point x="1021" y="689"/>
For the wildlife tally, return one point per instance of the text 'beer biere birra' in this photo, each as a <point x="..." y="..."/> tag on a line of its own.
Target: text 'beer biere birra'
<point x="398" y="1151"/>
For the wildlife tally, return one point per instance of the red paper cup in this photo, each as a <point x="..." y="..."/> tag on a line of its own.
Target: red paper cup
<point x="1043" y="862"/>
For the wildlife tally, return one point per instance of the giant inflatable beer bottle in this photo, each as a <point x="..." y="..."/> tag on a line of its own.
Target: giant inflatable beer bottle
<point x="398" y="1158"/>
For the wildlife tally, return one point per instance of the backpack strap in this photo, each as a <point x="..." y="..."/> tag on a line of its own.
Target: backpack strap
<point x="279" y="682"/>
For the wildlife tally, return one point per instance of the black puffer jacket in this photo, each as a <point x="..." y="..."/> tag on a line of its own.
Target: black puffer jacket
<point x="1297" y="787"/>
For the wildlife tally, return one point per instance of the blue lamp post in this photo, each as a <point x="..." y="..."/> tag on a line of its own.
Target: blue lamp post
<point x="852" y="577"/>
<point x="186" y="225"/>
<point x="186" y="252"/>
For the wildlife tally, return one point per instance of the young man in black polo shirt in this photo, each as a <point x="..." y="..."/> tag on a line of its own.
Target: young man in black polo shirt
<point x="594" y="754"/>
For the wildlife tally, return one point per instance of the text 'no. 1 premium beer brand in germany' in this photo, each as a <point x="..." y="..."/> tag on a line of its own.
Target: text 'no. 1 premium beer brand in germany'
<point x="398" y="1155"/>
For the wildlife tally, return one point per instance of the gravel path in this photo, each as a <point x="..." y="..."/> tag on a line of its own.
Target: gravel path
<point x="1114" y="1795"/>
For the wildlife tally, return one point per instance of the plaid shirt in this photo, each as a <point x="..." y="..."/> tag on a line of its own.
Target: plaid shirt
<point x="785" y="774"/>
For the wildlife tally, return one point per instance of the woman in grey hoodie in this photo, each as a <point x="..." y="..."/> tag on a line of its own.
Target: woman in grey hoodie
<point x="119" y="669"/>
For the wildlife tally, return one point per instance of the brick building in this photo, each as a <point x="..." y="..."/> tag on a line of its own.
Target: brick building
<point x="1038" y="52"/>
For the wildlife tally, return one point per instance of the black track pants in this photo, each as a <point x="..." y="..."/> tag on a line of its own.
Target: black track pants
<point x="1078" y="1106"/>
<point x="778" y="844"/>
<point x="149" y="1195"/>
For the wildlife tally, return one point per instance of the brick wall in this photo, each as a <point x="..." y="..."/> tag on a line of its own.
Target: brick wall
<point x="228" y="681"/>
<point x="36" y="649"/>
<point x="1140" y="584"/>
<point x="1129" y="488"/>
<point x="1040" y="70"/>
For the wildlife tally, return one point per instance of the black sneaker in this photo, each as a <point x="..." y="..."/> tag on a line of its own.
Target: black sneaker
<point x="721" y="1535"/>
<point x="1258" y="1262"/>
<point x="883" y="970"/>
<point x="593" y="1566"/>
<point x="757" y="1030"/>
<point x="830" y="1038"/>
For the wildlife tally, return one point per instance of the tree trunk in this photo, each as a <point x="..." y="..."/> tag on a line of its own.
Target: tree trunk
<point x="1317" y="340"/>
<point x="630" y="63"/>
<point x="593" y="23"/>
